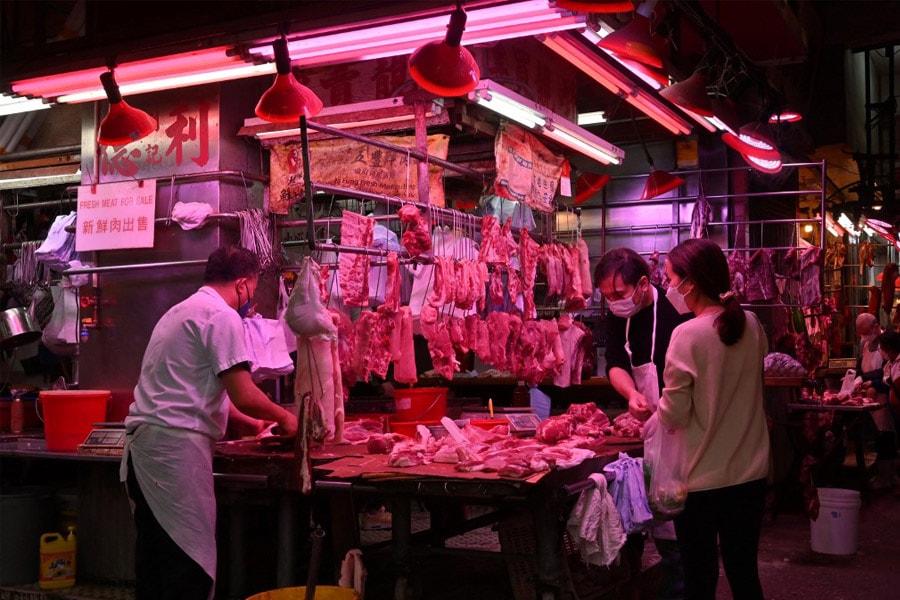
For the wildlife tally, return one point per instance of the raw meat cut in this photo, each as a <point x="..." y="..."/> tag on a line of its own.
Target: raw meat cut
<point x="761" y="284"/>
<point x="417" y="237"/>
<point x="701" y="215"/>
<point x="356" y="231"/>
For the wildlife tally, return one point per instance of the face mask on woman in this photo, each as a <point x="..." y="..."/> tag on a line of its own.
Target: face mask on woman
<point x="627" y="307"/>
<point x="676" y="298"/>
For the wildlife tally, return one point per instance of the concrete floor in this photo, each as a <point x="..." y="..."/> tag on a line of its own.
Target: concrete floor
<point x="789" y="569"/>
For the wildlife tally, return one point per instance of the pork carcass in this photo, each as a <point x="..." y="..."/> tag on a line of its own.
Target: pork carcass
<point x="761" y="283"/>
<point x="701" y="216"/>
<point x="306" y="315"/>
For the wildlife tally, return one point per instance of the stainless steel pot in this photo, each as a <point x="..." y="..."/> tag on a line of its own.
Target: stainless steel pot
<point x="17" y="328"/>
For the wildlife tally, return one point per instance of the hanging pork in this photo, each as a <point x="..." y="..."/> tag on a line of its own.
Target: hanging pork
<point x="356" y="231"/>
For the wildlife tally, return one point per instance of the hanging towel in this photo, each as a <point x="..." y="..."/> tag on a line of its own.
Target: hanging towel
<point x="629" y="493"/>
<point x="594" y="525"/>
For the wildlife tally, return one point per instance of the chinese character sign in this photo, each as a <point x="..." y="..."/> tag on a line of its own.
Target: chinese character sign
<point x="115" y="215"/>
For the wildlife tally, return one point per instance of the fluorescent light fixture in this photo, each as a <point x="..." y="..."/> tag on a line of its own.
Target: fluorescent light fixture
<point x="848" y="225"/>
<point x="585" y="142"/>
<point x="522" y="110"/>
<point x="371" y="41"/>
<point x="591" y="118"/>
<point x="390" y="110"/>
<point x="592" y="64"/>
<point x="832" y="227"/>
<point x="10" y="105"/>
<point x="510" y="105"/>
<point x="136" y="77"/>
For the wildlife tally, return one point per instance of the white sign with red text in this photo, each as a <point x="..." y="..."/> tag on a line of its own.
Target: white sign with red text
<point x="115" y="215"/>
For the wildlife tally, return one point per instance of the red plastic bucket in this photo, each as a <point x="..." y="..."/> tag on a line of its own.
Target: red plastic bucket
<point x="420" y="404"/>
<point x="69" y="416"/>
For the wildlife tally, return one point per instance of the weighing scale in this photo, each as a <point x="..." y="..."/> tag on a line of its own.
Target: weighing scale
<point x="108" y="439"/>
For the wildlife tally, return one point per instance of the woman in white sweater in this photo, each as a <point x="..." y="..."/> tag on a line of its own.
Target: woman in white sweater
<point x="714" y="391"/>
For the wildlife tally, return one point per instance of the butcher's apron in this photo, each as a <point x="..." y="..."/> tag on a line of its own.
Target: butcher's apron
<point x="646" y="381"/>
<point x="646" y="376"/>
<point x="870" y="360"/>
<point x="174" y="470"/>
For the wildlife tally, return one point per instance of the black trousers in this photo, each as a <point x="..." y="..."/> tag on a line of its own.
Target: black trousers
<point x="730" y="518"/>
<point x="163" y="571"/>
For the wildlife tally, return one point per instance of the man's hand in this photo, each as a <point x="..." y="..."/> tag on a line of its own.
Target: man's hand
<point x="637" y="406"/>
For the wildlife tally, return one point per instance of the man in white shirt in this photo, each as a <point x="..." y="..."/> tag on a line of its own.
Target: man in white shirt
<point x="195" y="355"/>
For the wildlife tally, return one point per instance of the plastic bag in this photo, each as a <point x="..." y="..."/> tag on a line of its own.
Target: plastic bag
<point x="60" y="335"/>
<point x="305" y="314"/>
<point x="266" y="344"/>
<point x="290" y="338"/>
<point x="665" y="469"/>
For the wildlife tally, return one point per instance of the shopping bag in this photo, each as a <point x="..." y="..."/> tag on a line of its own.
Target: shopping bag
<point x="269" y="356"/>
<point x="665" y="469"/>
<point x="60" y="334"/>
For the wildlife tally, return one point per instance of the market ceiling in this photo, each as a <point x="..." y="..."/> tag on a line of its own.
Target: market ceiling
<point x="789" y="52"/>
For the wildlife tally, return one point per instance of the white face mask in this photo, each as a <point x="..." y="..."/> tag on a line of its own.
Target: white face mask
<point x="677" y="300"/>
<point x="626" y="307"/>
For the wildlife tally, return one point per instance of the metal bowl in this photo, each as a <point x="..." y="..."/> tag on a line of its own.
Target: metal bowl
<point x="17" y="328"/>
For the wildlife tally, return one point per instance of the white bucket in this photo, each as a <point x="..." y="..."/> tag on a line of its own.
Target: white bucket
<point x="836" y="531"/>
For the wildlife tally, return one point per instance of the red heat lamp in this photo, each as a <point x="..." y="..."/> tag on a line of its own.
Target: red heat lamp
<point x="634" y="42"/>
<point x="659" y="182"/>
<point x="123" y="123"/>
<point x="787" y="116"/>
<point x="756" y="151"/>
<point x="445" y="68"/>
<point x="690" y="94"/>
<point x="589" y="184"/>
<point x="610" y="6"/>
<point x="287" y="100"/>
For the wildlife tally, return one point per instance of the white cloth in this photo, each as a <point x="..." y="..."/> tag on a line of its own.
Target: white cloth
<point x="179" y="411"/>
<point x="715" y="393"/>
<point x="191" y="215"/>
<point x="645" y="376"/>
<point x="594" y="525"/>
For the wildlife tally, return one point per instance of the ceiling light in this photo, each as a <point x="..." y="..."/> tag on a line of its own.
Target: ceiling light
<point x="690" y="94"/>
<point x="596" y="6"/>
<point x="600" y="70"/>
<point x="633" y="41"/>
<point x="522" y="110"/>
<point x="490" y="24"/>
<point x="287" y="99"/>
<point x="786" y="116"/>
<point x="832" y="227"/>
<point x="10" y="105"/>
<point x="659" y="182"/>
<point x="123" y="123"/>
<point x="758" y="135"/>
<point x="589" y="184"/>
<point x="591" y="118"/>
<point x="765" y="165"/>
<point x="445" y="68"/>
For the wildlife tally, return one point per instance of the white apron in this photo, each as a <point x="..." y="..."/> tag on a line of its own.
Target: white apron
<point x="174" y="470"/>
<point x="646" y="377"/>
<point x="646" y="381"/>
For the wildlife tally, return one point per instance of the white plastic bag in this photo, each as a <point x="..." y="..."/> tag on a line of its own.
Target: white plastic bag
<point x="665" y="469"/>
<point x="266" y="344"/>
<point x="60" y="335"/>
<point x="290" y="338"/>
<point x="305" y="314"/>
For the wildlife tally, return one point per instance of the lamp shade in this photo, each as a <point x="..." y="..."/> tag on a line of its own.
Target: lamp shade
<point x="758" y="135"/>
<point x="287" y="99"/>
<point x="596" y="6"/>
<point x="690" y="94"/>
<point x="634" y="42"/>
<point x="589" y="184"/>
<point x="765" y="165"/>
<point x="659" y="182"/>
<point x="745" y="149"/>
<point x="123" y="123"/>
<point x="446" y="68"/>
<point x="785" y="116"/>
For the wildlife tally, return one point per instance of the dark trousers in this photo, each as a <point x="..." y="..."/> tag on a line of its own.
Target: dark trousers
<point x="162" y="569"/>
<point x="730" y="518"/>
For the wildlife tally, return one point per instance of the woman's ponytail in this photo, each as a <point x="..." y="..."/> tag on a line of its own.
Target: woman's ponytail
<point x="730" y="324"/>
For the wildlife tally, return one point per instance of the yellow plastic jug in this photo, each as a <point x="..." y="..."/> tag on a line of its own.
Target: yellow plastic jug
<point x="57" y="561"/>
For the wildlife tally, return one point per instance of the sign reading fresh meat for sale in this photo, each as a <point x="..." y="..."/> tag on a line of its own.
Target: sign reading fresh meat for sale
<point x="355" y="165"/>
<point x="115" y="215"/>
